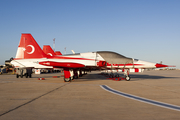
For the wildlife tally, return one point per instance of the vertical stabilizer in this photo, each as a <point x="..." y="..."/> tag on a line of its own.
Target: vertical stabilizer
<point x="48" y="50"/>
<point x="58" y="53"/>
<point x="28" y="48"/>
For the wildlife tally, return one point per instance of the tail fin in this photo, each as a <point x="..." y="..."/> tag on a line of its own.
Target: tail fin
<point x="48" y="50"/>
<point x="58" y="53"/>
<point x="28" y="48"/>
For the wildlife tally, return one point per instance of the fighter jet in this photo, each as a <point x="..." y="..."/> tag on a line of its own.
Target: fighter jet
<point x="30" y="55"/>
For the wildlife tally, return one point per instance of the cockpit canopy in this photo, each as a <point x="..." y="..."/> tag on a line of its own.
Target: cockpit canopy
<point x="114" y="58"/>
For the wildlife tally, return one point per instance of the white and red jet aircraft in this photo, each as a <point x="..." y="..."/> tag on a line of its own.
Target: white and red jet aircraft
<point x="30" y="55"/>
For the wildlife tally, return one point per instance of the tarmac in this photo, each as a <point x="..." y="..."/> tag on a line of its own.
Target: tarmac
<point x="85" y="99"/>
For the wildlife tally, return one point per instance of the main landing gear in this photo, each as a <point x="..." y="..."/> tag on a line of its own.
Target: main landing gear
<point x="68" y="75"/>
<point x="20" y="72"/>
<point x="116" y="76"/>
<point x="126" y="73"/>
<point x="71" y="74"/>
<point x="67" y="79"/>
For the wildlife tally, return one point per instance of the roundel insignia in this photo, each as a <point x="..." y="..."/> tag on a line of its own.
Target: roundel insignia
<point x="50" y="54"/>
<point x="33" y="49"/>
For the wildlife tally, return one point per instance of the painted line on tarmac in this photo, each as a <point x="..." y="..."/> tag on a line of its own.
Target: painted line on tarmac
<point x="141" y="99"/>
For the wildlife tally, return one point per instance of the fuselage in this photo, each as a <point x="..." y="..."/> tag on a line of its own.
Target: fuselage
<point x="90" y="59"/>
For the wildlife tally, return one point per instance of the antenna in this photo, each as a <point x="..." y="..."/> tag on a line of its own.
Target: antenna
<point x="54" y="44"/>
<point x="65" y="50"/>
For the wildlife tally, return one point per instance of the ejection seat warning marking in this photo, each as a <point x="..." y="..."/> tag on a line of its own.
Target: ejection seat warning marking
<point x="141" y="99"/>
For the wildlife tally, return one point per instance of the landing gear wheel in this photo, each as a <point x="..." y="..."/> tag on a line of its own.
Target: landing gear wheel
<point x="17" y="76"/>
<point x="26" y="75"/>
<point x="67" y="79"/>
<point x="72" y="78"/>
<point x="128" y="78"/>
<point x="30" y="76"/>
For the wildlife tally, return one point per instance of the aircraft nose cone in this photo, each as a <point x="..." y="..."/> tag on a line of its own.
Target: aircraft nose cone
<point x="161" y="65"/>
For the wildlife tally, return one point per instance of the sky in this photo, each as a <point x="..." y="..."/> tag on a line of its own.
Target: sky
<point x="148" y="30"/>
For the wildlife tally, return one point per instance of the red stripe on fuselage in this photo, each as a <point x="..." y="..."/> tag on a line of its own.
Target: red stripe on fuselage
<point x="62" y="64"/>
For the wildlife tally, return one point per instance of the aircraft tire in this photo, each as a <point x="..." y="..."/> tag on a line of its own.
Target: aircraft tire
<point x="26" y="75"/>
<point x="21" y="76"/>
<point x="67" y="79"/>
<point x="128" y="78"/>
<point x="30" y="76"/>
<point x="17" y="76"/>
